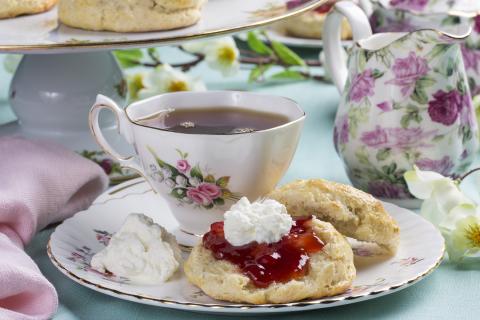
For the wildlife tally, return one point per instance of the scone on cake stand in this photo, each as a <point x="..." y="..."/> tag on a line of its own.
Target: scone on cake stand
<point x="65" y="67"/>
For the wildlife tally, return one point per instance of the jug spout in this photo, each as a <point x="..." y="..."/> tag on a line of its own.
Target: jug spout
<point x="381" y="41"/>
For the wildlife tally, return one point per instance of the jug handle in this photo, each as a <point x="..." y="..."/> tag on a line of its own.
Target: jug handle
<point x="334" y="61"/>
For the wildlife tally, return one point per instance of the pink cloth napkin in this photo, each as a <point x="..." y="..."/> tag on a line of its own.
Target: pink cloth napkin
<point x="40" y="183"/>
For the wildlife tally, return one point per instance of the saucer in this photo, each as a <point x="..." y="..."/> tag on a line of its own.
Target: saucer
<point x="77" y="239"/>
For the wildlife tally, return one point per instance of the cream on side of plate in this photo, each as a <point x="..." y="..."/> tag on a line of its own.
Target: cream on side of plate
<point x="265" y="221"/>
<point x="142" y="251"/>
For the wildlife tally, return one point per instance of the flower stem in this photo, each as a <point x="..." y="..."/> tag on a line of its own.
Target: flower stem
<point x="248" y="57"/>
<point x="460" y="180"/>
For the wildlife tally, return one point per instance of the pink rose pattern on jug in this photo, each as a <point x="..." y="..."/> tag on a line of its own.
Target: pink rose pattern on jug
<point x="405" y="104"/>
<point x="410" y="15"/>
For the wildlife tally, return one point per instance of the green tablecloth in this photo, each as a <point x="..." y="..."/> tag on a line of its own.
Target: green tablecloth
<point x="449" y="293"/>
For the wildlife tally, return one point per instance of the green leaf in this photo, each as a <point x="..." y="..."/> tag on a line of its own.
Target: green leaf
<point x="223" y="182"/>
<point x="258" y="45"/>
<point x="286" y="55"/>
<point x="405" y="121"/>
<point x="210" y="206"/>
<point x="153" y="53"/>
<point x="451" y="20"/>
<point x="196" y="173"/>
<point x="467" y="134"/>
<point x="438" y="50"/>
<point x="377" y="73"/>
<point x="383" y="154"/>
<point x="462" y="87"/>
<point x="129" y="58"/>
<point x="183" y="155"/>
<point x="362" y="156"/>
<point x="257" y="72"/>
<point x="135" y="84"/>
<point x="419" y="95"/>
<point x="417" y="117"/>
<point x="163" y="164"/>
<point x="390" y="169"/>
<point x="178" y="193"/>
<point x="425" y="82"/>
<point x="362" y="60"/>
<point x="438" y="138"/>
<point x="219" y="201"/>
<point x="450" y="67"/>
<point x="210" y="179"/>
<point x="288" y="75"/>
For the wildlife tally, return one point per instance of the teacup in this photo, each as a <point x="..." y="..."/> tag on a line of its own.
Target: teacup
<point x="201" y="175"/>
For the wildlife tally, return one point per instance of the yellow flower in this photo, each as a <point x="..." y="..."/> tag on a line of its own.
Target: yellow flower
<point x="166" y="79"/>
<point x="464" y="240"/>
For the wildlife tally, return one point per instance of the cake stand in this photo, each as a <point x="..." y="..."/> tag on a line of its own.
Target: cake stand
<point x="63" y="69"/>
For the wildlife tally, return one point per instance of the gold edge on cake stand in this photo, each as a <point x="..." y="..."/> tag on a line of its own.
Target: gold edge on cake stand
<point x="157" y="41"/>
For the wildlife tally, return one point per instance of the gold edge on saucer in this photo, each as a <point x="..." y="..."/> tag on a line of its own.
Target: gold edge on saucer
<point x="242" y="306"/>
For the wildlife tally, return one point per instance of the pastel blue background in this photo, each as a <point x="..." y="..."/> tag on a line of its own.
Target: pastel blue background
<point x="449" y="293"/>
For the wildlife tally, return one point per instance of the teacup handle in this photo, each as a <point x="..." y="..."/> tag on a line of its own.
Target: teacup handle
<point x="124" y="128"/>
<point x="334" y="61"/>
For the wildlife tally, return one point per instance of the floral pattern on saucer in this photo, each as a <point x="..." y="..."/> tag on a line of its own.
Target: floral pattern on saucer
<point x="191" y="185"/>
<point x="78" y="238"/>
<point x="82" y="256"/>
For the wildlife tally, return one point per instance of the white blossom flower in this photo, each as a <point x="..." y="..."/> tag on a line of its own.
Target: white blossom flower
<point x="456" y="216"/>
<point x="196" y="46"/>
<point x="221" y="54"/>
<point x="181" y="181"/>
<point x="157" y="176"/>
<point x="195" y="181"/>
<point x="166" y="79"/>
<point x="464" y="239"/>
<point x="167" y="173"/>
<point x="440" y="194"/>
<point x="170" y="183"/>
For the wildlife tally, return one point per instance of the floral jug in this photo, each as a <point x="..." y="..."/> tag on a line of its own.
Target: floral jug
<point x="405" y="101"/>
<point x="445" y="15"/>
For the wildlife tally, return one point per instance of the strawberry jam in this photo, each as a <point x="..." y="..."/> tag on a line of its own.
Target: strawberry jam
<point x="265" y="263"/>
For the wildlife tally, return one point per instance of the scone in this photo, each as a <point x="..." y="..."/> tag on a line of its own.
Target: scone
<point x="310" y="24"/>
<point x="352" y="212"/>
<point x="130" y="15"/>
<point x="13" y="8"/>
<point x="330" y="272"/>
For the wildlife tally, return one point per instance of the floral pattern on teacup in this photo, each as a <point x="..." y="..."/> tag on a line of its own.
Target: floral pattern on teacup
<point x="191" y="185"/>
<point x="405" y="104"/>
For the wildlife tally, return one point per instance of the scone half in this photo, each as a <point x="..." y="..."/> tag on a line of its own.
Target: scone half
<point x="331" y="272"/>
<point x="14" y="8"/>
<point x="354" y="213"/>
<point x="130" y="15"/>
